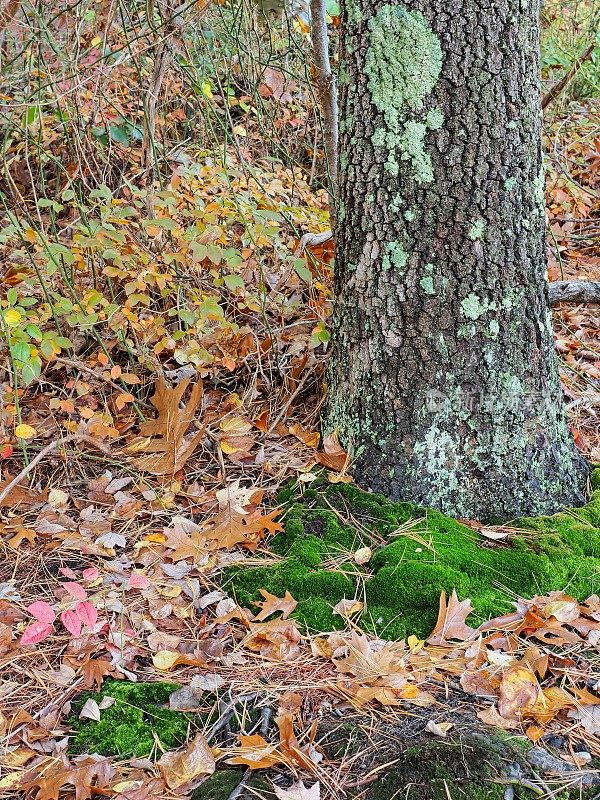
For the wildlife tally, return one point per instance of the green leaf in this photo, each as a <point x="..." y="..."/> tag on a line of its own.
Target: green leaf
<point x="119" y="134"/>
<point x="302" y="270"/>
<point x="34" y="332"/>
<point x="233" y="282"/>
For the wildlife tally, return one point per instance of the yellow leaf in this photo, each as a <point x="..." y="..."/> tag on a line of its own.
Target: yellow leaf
<point x="415" y="644"/>
<point x="12" y="317"/>
<point x="11" y="780"/>
<point x="165" y="659"/>
<point x="206" y="90"/>
<point x="24" y="431"/>
<point x="95" y="41"/>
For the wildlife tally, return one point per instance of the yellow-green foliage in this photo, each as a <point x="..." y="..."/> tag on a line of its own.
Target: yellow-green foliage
<point x="403" y="581"/>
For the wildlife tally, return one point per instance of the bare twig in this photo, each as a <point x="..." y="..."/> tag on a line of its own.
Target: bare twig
<point x="569" y="75"/>
<point x="73" y="437"/>
<point x="327" y="93"/>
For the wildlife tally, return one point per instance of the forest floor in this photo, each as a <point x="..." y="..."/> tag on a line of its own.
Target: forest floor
<point x="196" y="599"/>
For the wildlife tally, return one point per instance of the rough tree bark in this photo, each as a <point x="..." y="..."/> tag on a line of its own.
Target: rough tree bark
<point x="443" y="381"/>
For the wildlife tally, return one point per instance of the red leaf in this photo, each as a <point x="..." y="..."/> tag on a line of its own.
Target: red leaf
<point x="138" y="582"/>
<point x="36" y="632"/>
<point x="76" y="590"/>
<point x="71" y="622"/>
<point x="42" y="611"/>
<point x="87" y="613"/>
<point x="91" y="573"/>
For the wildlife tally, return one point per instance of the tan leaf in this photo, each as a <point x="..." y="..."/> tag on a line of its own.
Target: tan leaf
<point x="298" y="791"/>
<point x="272" y="604"/>
<point x="163" y="440"/>
<point x="518" y="692"/>
<point x="439" y="728"/>
<point x="490" y="716"/>
<point x="346" y="608"/>
<point x="334" y="457"/>
<point x="363" y="555"/>
<point x="451" y="620"/>
<point x="256" y="753"/>
<point x="181" y="768"/>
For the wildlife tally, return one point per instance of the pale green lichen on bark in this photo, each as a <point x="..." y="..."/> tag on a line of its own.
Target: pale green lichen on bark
<point x="472" y="307"/>
<point x="477" y="230"/>
<point x="426" y="284"/>
<point x="395" y="256"/>
<point x="353" y="12"/>
<point x="403" y="64"/>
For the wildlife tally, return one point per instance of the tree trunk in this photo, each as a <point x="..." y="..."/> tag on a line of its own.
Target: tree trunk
<point x="443" y="381"/>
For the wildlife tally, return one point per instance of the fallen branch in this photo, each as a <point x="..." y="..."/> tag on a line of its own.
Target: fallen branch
<point x="570" y="74"/>
<point x="312" y="240"/>
<point x="73" y="437"/>
<point x="574" y="292"/>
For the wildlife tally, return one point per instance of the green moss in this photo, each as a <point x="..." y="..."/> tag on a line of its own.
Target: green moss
<point x="222" y="783"/>
<point x="132" y="724"/>
<point x="435" y="770"/>
<point x="433" y="553"/>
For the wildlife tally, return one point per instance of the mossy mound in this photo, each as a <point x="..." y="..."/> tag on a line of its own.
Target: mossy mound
<point x="222" y="783"/>
<point x="422" y="552"/>
<point x="131" y="726"/>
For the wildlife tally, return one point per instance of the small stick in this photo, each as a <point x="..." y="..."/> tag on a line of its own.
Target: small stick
<point x="237" y="792"/>
<point x="575" y="67"/>
<point x="72" y="437"/>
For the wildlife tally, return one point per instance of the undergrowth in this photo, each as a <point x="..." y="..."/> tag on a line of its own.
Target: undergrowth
<point x="422" y="553"/>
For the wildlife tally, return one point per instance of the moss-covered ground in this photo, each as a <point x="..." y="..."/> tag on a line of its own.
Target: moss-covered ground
<point x="131" y="726"/>
<point x="417" y="553"/>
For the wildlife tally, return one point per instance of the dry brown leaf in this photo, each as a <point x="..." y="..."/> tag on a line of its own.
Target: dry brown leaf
<point x="272" y="604"/>
<point x="490" y="716"/>
<point x="451" y="620"/>
<point x="298" y="791"/>
<point x="439" y="728"/>
<point x="334" y="457"/>
<point x="255" y="752"/>
<point x="346" y="608"/>
<point x="518" y="692"/>
<point x="21" y="495"/>
<point x="181" y="768"/>
<point x="162" y="440"/>
<point x="277" y="640"/>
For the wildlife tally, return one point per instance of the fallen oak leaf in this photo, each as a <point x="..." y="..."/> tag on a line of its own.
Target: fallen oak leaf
<point x="347" y="608"/>
<point x="272" y="604"/>
<point x="163" y="439"/>
<point x="451" y="620"/>
<point x="181" y="768"/>
<point x="298" y="791"/>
